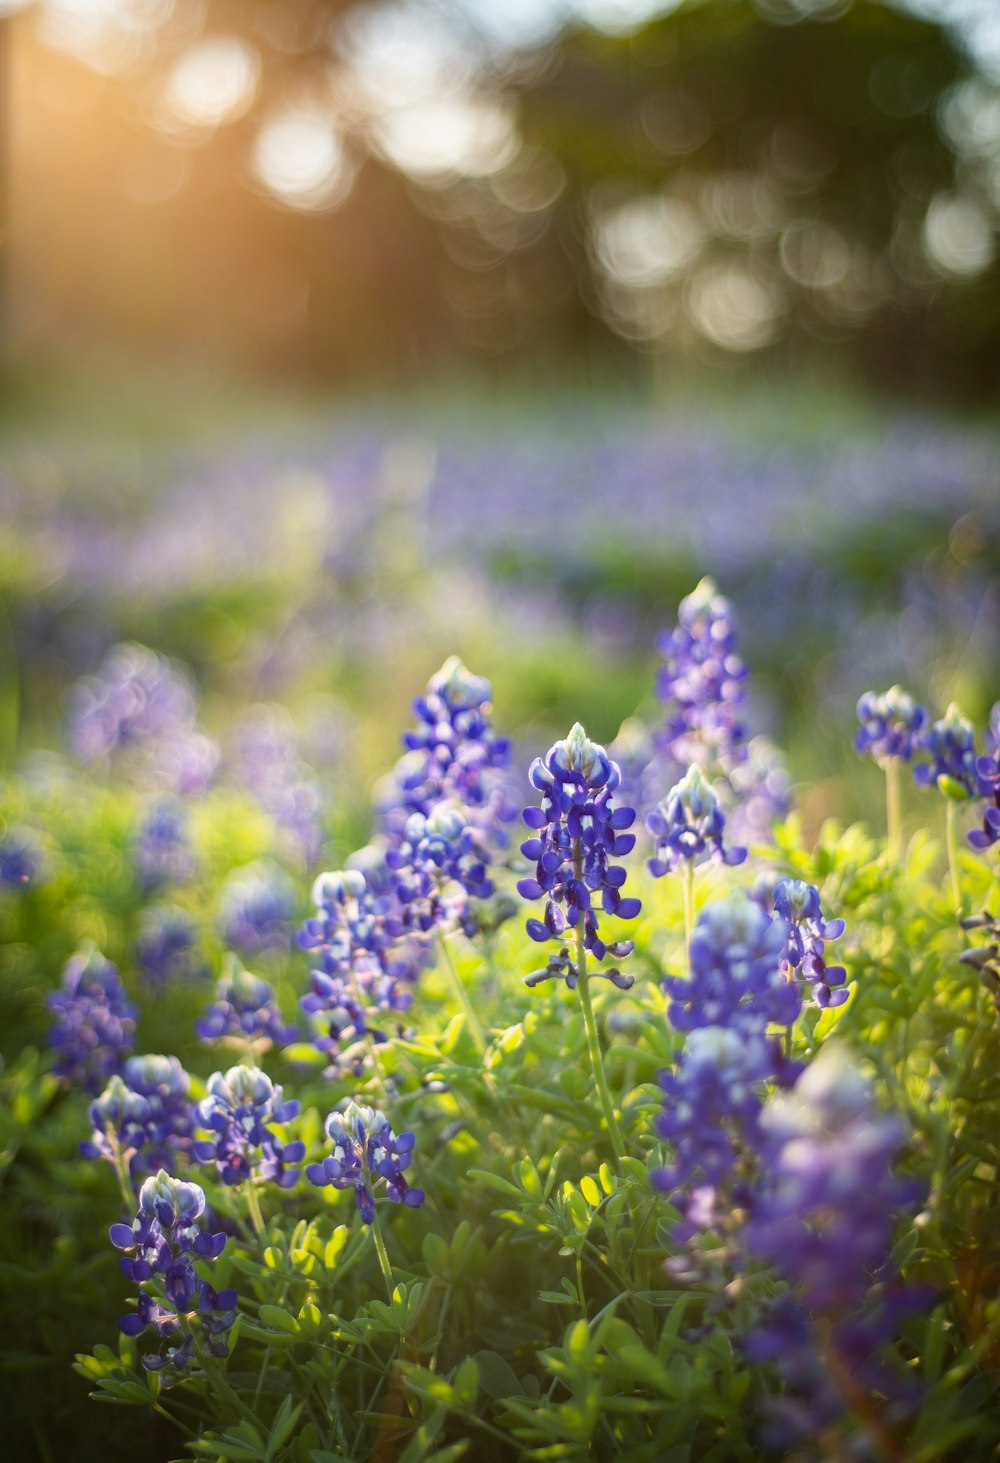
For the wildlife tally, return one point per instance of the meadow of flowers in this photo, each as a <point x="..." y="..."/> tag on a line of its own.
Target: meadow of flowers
<point x="594" y="1107"/>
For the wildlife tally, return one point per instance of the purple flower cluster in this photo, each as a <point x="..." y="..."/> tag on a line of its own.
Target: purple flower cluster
<point x="268" y="765"/>
<point x="578" y="832"/>
<point x="950" y="743"/>
<point x="988" y="776"/>
<point x="702" y="682"/>
<point x="822" y="1215"/>
<point x="688" y="826"/>
<point x="237" y="1110"/>
<point x="161" y="1246"/>
<point x="439" y="862"/>
<point x="166" y="948"/>
<point x="93" y="1026"/>
<point x="796" y="904"/>
<point x="712" y="1100"/>
<point x="703" y="686"/>
<point x="367" y="961"/>
<point x="452" y="755"/>
<point x="891" y="725"/>
<point x="366" y="1153"/>
<point x="21" y="860"/>
<point x="143" y="1117"/>
<point x="244" y="1011"/>
<point x="140" y="710"/>
<point x="256" y="907"/>
<point x="162" y="852"/>
<point x="735" y="978"/>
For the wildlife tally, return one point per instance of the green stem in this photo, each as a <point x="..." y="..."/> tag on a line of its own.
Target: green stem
<point x="594" y="1044"/>
<point x="458" y="985"/>
<point x="253" y="1208"/>
<point x="890" y="766"/>
<point x="688" y="910"/>
<point x="951" y="839"/>
<point x="383" y="1256"/>
<point x="125" y="1181"/>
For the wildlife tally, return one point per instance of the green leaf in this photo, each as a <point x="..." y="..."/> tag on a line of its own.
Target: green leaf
<point x="286" y="1418"/>
<point x="279" y="1318"/>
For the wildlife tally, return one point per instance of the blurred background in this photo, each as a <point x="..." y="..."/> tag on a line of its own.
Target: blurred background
<point x="340" y="336"/>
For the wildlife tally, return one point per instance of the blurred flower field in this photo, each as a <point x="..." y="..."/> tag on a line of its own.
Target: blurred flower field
<point x="499" y="938"/>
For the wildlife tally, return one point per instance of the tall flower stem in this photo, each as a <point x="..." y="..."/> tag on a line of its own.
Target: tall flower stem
<point x="594" y="1041"/>
<point x="383" y="1255"/>
<point x="890" y="766"/>
<point x="688" y="909"/>
<point x="458" y="986"/>
<point x="951" y="840"/>
<point x="253" y="1208"/>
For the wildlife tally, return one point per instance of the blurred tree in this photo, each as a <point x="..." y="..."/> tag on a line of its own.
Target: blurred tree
<point x="342" y="190"/>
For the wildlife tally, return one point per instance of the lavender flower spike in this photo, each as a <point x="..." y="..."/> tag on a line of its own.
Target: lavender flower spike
<point x="366" y="1152"/>
<point x="688" y="825"/>
<point x="161" y="1245"/>
<point x="579" y="831"/>
<point x="890" y="725"/>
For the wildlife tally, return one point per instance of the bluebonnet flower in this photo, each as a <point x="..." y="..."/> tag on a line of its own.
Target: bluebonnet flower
<point x="951" y="745"/>
<point x="439" y="862"/>
<point x="735" y="981"/>
<point x="988" y="784"/>
<point x="93" y="1026"/>
<point x="796" y="905"/>
<point x="453" y="754"/>
<point x="369" y="963"/>
<point x="140" y="709"/>
<point x="162" y="851"/>
<point x="702" y="682"/>
<point x="237" y="1110"/>
<point x="166" y="947"/>
<point x="822" y="1215"/>
<point x="143" y="1116"/>
<point x="160" y="1248"/>
<point x="365" y="1154"/>
<point x="579" y="832"/>
<point x="755" y="791"/>
<point x="22" y="861"/>
<point x="711" y="1110"/>
<point x="688" y="826"/>
<point x="891" y="725"/>
<point x="268" y="764"/>
<point x="256" y="906"/>
<point x="244" y="1011"/>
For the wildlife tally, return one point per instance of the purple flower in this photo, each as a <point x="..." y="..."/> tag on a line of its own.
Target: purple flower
<point x="711" y="1110"/>
<point x="735" y="981"/>
<point x="891" y="724"/>
<point x="237" y="1110"/>
<point x="143" y="1116"/>
<point x="166" y="948"/>
<point x="688" y="826"/>
<point x="93" y="1027"/>
<point x="365" y="1154"/>
<point x="256" y="907"/>
<point x="22" y="861"/>
<point x="244" y="1010"/>
<point x="579" y="831"/>
<point x="439" y="863"/>
<point x="140" y="710"/>
<point x="268" y="764"/>
<point x="368" y="963"/>
<point x="702" y="681"/>
<point x="823" y="1214"/>
<point x="988" y="781"/>
<point x="951" y="745"/>
<point x="796" y="905"/>
<point x="452" y="755"/>
<point x="163" y="853"/>
<point x="160" y="1248"/>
